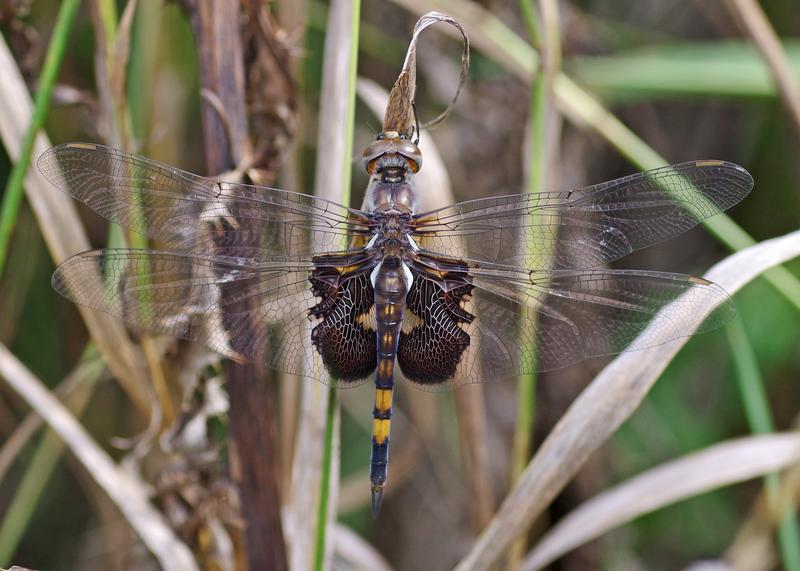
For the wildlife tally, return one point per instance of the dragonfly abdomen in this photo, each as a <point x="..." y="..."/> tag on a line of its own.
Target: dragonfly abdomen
<point x="391" y="281"/>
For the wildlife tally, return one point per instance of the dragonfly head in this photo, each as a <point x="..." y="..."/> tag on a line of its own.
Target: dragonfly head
<point x="392" y="151"/>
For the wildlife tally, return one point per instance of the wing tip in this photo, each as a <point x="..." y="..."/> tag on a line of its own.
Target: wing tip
<point x="743" y="174"/>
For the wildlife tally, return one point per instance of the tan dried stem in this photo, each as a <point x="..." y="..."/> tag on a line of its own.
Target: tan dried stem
<point x="752" y="18"/>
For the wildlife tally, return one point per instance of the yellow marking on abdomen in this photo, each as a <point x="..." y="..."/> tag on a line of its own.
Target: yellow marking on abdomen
<point x="383" y="399"/>
<point x="385" y="368"/>
<point x="380" y="429"/>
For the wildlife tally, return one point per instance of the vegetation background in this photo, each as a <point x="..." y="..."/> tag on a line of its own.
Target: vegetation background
<point x="560" y="95"/>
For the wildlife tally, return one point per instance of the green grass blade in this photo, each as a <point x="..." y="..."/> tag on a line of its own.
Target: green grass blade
<point x="632" y="147"/>
<point x="689" y="69"/>
<point x="539" y="102"/>
<point x="12" y="198"/>
<point x="754" y="400"/>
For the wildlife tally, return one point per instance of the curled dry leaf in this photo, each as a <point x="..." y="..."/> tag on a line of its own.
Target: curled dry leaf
<point x="400" y="109"/>
<point x="714" y="467"/>
<point x="606" y="403"/>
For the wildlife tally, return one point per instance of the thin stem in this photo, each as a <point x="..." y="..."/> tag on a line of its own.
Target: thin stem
<point x="12" y="198"/>
<point x="327" y="463"/>
<point x="526" y="388"/>
<point x="349" y="120"/>
<point x="753" y="19"/>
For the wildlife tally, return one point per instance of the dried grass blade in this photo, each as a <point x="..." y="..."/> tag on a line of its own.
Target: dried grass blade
<point x="62" y="230"/>
<point x="314" y="482"/>
<point x="37" y="472"/>
<point x="717" y="466"/>
<point x="355" y="553"/>
<point x="74" y="391"/>
<point x="753" y="19"/>
<point x="606" y="403"/>
<point x="130" y="496"/>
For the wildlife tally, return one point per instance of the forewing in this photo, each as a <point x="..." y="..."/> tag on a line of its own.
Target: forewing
<point x="185" y="212"/>
<point x="584" y="228"/>
<point x="509" y="322"/>
<point x="266" y="313"/>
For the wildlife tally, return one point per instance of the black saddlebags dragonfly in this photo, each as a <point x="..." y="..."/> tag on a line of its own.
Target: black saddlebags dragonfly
<point x="439" y="298"/>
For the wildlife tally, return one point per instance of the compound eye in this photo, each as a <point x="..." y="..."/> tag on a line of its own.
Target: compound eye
<point x="373" y="151"/>
<point x="410" y="151"/>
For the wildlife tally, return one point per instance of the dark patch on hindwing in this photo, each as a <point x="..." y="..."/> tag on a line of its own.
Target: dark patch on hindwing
<point x="348" y="349"/>
<point x="429" y="352"/>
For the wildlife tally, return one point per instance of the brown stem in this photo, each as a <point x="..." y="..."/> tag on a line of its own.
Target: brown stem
<point x="254" y="453"/>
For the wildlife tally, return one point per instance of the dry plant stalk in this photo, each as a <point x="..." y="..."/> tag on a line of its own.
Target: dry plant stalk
<point x="252" y="429"/>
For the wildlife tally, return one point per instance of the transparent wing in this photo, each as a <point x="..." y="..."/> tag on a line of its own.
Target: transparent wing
<point x="517" y="322"/>
<point x="257" y="313"/>
<point x="188" y="213"/>
<point x="588" y="227"/>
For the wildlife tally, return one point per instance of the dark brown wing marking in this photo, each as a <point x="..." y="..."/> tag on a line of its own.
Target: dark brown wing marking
<point x="432" y="340"/>
<point x="345" y="336"/>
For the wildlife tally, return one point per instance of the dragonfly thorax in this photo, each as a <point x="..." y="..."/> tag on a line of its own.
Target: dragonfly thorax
<point x="391" y="161"/>
<point x="386" y="196"/>
<point x="391" y="237"/>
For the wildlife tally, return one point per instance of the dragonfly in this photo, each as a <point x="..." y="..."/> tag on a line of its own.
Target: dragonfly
<point x="489" y="288"/>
